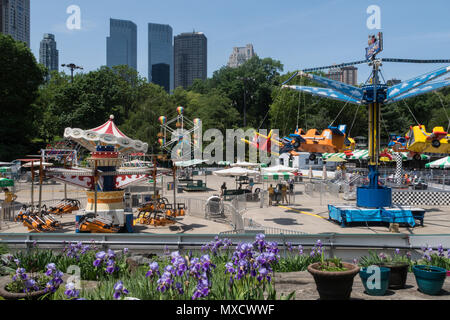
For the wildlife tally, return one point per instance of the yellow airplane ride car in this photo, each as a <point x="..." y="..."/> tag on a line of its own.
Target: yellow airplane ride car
<point x="420" y="141"/>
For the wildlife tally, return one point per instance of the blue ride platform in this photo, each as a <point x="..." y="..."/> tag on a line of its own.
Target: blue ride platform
<point x="346" y="214"/>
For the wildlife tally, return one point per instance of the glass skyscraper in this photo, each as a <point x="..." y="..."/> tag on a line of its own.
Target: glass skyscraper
<point x="121" y="45"/>
<point x="15" y="19"/>
<point x="190" y="58"/>
<point x="160" y="55"/>
<point x="48" y="54"/>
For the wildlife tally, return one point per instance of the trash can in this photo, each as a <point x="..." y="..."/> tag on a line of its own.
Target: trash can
<point x="129" y="219"/>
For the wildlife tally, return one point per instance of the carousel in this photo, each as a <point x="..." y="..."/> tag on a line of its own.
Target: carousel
<point x="103" y="179"/>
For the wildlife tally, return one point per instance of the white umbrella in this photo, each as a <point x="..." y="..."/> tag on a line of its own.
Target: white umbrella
<point x="279" y="168"/>
<point x="36" y="164"/>
<point x="245" y="164"/>
<point x="235" y="172"/>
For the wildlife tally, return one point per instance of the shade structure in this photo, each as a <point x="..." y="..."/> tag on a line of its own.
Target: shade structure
<point x="362" y="154"/>
<point x="279" y="168"/>
<point x="189" y="163"/>
<point x="37" y="164"/>
<point x="335" y="158"/>
<point x="106" y="134"/>
<point x="235" y="172"/>
<point x="6" y="183"/>
<point x="277" y="176"/>
<point x="443" y="163"/>
<point x="245" y="164"/>
<point x="224" y="163"/>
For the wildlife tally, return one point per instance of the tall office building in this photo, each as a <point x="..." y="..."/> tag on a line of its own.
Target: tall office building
<point x="121" y="45"/>
<point x="48" y="54"/>
<point x="190" y="58"/>
<point x="160" y="55"/>
<point x="348" y="75"/>
<point x="240" y="55"/>
<point x="15" y="19"/>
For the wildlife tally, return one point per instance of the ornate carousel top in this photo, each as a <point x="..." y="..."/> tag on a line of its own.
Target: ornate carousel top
<point x="106" y="134"/>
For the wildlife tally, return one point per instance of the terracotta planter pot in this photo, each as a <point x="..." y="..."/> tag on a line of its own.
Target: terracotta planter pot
<point x="398" y="275"/>
<point x="334" y="285"/>
<point x="4" y="281"/>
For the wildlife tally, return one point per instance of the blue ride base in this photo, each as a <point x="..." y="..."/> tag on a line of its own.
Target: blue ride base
<point x="373" y="204"/>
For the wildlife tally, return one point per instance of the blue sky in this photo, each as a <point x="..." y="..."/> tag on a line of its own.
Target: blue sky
<point x="299" y="33"/>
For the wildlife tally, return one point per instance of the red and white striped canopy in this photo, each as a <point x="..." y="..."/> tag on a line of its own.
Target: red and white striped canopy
<point x="106" y="134"/>
<point x="109" y="128"/>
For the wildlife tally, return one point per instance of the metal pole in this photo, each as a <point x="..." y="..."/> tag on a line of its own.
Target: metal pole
<point x="95" y="186"/>
<point x="40" y="185"/>
<point x="32" y="183"/>
<point x="174" y="187"/>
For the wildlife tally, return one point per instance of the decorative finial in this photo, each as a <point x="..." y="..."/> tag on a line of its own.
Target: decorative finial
<point x="111" y="117"/>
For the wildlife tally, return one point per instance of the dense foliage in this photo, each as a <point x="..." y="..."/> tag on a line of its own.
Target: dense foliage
<point x="35" y="113"/>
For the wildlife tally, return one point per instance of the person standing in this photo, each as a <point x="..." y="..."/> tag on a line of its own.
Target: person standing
<point x="223" y="188"/>
<point x="271" y="194"/>
<point x="284" y="193"/>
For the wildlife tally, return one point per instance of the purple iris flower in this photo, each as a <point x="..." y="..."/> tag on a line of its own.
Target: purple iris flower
<point x="71" y="292"/>
<point x="397" y="251"/>
<point x="119" y="290"/>
<point x="300" y="250"/>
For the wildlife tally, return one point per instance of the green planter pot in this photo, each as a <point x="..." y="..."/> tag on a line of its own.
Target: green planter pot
<point x="430" y="279"/>
<point x="381" y="288"/>
<point x="334" y="285"/>
<point x="398" y="274"/>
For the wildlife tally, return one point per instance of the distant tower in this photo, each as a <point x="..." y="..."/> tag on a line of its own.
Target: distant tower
<point x="240" y="55"/>
<point x="160" y="55"/>
<point x="190" y="58"/>
<point x="348" y="75"/>
<point x="15" y="19"/>
<point x="48" y="54"/>
<point x="121" y="45"/>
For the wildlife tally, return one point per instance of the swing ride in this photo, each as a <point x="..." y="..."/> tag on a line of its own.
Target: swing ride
<point x="373" y="200"/>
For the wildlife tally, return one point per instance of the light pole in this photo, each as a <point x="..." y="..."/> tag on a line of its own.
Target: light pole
<point x="72" y="67"/>
<point x="245" y="79"/>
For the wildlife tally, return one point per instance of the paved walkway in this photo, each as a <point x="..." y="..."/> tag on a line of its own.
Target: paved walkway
<point x="305" y="288"/>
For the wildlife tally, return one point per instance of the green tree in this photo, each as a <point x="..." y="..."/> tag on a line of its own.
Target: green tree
<point x="20" y="78"/>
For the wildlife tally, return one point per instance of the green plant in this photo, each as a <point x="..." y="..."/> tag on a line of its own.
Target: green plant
<point x="437" y="259"/>
<point x="3" y="248"/>
<point x="378" y="259"/>
<point x="332" y="265"/>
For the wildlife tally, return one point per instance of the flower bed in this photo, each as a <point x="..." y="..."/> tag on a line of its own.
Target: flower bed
<point x="222" y="270"/>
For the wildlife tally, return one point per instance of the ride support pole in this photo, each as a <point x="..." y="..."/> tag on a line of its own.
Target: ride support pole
<point x="32" y="183"/>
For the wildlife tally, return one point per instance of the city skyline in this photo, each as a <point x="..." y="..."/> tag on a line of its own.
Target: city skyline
<point x="299" y="38"/>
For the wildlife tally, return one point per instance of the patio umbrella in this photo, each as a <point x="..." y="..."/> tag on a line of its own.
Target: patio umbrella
<point x="235" y="172"/>
<point x="277" y="175"/>
<point x="279" y="168"/>
<point x="36" y="164"/>
<point x="443" y="163"/>
<point x="245" y="164"/>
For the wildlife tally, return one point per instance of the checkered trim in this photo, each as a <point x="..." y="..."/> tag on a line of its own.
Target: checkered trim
<point x="427" y="198"/>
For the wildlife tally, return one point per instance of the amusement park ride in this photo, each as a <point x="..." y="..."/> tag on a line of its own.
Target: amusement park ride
<point x="330" y="140"/>
<point x="374" y="94"/>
